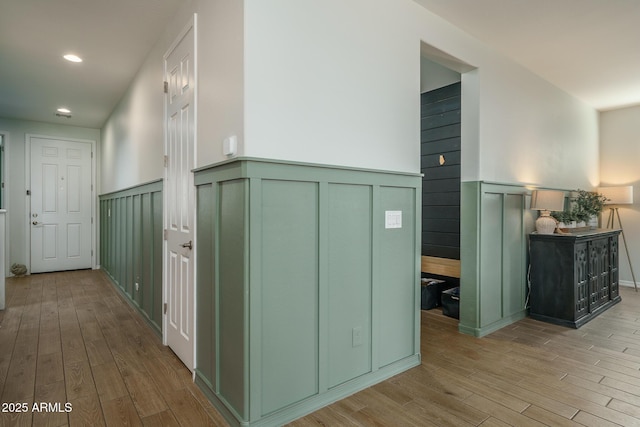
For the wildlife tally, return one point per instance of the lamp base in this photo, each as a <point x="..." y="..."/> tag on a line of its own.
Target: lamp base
<point x="545" y="224"/>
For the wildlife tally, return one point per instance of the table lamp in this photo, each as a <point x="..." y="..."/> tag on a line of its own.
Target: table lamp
<point x="546" y="201"/>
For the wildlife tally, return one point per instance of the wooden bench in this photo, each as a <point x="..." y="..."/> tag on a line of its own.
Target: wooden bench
<point x="441" y="266"/>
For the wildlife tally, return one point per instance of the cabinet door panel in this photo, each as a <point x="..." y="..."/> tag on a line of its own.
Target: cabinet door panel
<point x="599" y="272"/>
<point x="613" y="262"/>
<point x="582" y="280"/>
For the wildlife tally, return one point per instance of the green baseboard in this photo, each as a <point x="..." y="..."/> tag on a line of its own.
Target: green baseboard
<point x="309" y="405"/>
<point x="486" y="330"/>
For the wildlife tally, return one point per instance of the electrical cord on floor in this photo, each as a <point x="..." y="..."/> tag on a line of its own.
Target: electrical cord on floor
<point x="526" y="301"/>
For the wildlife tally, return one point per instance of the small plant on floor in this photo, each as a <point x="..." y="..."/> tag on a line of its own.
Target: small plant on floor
<point x="18" y="270"/>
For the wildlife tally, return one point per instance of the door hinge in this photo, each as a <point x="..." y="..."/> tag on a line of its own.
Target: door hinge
<point x="92" y="154"/>
<point x="165" y="308"/>
<point x="28" y="192"/>
<point x="92" y="223"/>
<point x="91" y="252"/>
<point x="166" y="161"/>
<point x="165" y="234"/>
<point x="166" y="87"/>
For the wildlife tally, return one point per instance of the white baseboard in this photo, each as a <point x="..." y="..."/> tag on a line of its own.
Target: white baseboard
<point x="626" y="283"/>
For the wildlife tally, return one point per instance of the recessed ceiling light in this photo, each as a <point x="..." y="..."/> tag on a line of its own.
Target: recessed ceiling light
<point x="63" y="112"/>
<point x="72" y="58"/>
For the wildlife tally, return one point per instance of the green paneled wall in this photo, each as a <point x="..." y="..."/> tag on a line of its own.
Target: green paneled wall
<point x="131" y="246"/>
<point x="205" y="295"/>
<point x="349" y="289"/>
<point x="232" y="307"/>
<point x="290" y="292"/>
<point x="395" y="283"/>
<point x="495" y="225"/>
<point x="515" y="253"/>
<point x="303" y="296"/>
<point x="491" y="255"/>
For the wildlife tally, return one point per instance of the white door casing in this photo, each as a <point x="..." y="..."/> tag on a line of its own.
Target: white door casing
<point x="179" y="202"/>
<point x="60" y="214"/>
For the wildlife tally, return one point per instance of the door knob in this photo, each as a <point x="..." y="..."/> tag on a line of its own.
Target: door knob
<point x="35" y="223"/>
<point x="187" y="245"/>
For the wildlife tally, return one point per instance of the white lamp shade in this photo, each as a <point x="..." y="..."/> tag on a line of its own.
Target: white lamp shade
<point x="617" y="195"/>
<point x="547" y="200"/>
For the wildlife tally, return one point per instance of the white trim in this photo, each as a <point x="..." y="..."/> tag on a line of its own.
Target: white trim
<point x="195" y="208"/>
<point x="626" y="283"/>
<point x="27" y="180"/>
<point x="3" y="266"/>
<point x="7" y="232"/>
<point x="3" y="169"/>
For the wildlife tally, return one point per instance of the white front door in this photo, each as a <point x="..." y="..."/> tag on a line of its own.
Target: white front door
<point x="61" y="194"/>
<point x="180" y="198"/>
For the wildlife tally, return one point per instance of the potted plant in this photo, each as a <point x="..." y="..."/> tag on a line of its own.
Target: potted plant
<point x="588" y="205"/>
<point x="566" y="219"/>
<point x="585" y="206"/>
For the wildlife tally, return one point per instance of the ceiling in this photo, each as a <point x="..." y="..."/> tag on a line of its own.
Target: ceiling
<point x="589" y="48"/>
<point x="112" y="36"/>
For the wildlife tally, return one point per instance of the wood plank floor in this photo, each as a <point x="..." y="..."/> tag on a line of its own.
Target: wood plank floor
<point x="70" y="338"/>
<point x="528" y="374"/>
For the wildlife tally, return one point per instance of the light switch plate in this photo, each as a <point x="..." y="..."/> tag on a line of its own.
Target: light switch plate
<point x="230" y="146"/>
<point x="392" y="219"/>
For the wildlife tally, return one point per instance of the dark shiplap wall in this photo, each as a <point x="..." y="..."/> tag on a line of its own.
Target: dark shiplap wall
<point x="440" y="136"/>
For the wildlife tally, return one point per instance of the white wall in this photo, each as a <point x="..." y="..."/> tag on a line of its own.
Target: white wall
<point x="516" y="127"/>
<point x="619" y="160"/>
<point x="16" y="198"/>
<point x="332" y="82"/>
<point x="531" y="132"/>
<point x="338" y="83"/>
<point x="133" y="138"/>
<point x="434" y="76"/>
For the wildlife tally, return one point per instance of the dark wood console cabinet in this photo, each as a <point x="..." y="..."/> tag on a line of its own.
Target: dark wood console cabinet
<point x="574" y="277"/>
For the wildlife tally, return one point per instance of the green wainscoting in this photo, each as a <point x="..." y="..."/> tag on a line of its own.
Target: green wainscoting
<point x="495" y="224"/>
<point x="131" y="246"/>
<point x="349" y="289"/>
<point x="303" y="296"/>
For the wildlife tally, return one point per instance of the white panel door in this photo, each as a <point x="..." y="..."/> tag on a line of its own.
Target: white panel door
<point x="180" y="199"/>
<point x="61" y="193"/>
